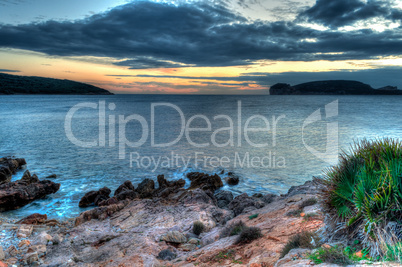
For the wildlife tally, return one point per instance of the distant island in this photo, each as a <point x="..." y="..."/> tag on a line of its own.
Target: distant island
<point x="25" y="85"/>
<point x="335" y="87"/>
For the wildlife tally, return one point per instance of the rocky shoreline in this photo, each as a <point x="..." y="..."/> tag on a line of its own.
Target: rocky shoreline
<point x="151" y="225"/>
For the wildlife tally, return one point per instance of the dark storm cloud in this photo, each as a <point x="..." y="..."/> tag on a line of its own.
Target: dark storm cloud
<point x="337" y="13"/>
<point x="5" y="70"/>
<point x="154" y="35"/>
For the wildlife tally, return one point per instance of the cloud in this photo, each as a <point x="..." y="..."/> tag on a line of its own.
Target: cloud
<point x="337" y="13"/>
<point x="142" y="35"/>
<point x="375" y="77"/>
<point x="6" y="70"/>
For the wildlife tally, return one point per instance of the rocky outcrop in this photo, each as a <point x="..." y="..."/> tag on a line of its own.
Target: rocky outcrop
<point x="94" y="197"/>
<point x="8" y="166"/>
<point x="146" y="188"/>
<point x="243" y="204"/>
<point x="204" y="181"/>
<point x="14" y="195"/>
<point x="223" y="198"/>
<point x="34" y="219"/>
<point x="332" y="87"/>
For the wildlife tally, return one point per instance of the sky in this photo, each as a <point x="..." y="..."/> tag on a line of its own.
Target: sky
<point x="202" y="47"/>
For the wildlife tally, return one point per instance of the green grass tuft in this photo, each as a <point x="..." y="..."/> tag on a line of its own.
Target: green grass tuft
<point x="253" y="216"/>
<point x="198" y="227"/>
<point x="302" y="240"/>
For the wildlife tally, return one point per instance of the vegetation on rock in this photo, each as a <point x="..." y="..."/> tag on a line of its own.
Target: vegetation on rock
<point x="363" y="195"/>
<point x="198" y="227"/>
<point x="301" y="240"/>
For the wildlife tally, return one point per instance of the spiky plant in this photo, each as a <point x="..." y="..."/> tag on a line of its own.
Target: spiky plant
<point x="364" y="191"/>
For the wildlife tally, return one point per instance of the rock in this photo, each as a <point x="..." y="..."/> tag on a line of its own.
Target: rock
<point x="100" y="213"/>
<point x="57" y="239"/>
<point x="204" y="181"/>
<point x="194" y="241"/>
<point x="126" y="186"/>
<point x="232" y="179"/>
<point x="8" y="166"/>
<point x="90" y="197"/>
<point x="34" y="219"/>
<point x="167" y="255"/>
<point x="187" y="247"/>
<point x="146" y="188"/>
<point x="269" y="198"/>
<point x="223" y="198"/>
<point x="2" y="255"/>
<point x="174" y="237"/>
<point x="309" y="187"/>
<point x="196" y="196"/>
<point x="294" y="254"/>
<point x="24" y="243"/>
<point x="24" y="231"/>
<point x="108" y="202"/>
<point x="39" y="249"/>
<point x="30" y="258"/>
<point x="11" y="251"/>
<point x="243" y="203"/>
<point x="359" y="254"/>
<point x="52" y="176"/>
<point x="312" y="209"/>
<point x="17" y="194"/>
<point x="99" y="198"/>
<point x="42" y="239"/>
<point x="12" y="261"/>
<point x="128" y="195"/>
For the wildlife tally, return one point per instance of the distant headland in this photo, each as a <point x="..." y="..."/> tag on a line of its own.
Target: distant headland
<point x="332" y="87"/>
<point x="25" y="85"/>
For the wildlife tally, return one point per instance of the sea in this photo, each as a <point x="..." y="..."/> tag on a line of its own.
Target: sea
<point x="270" y="142"/>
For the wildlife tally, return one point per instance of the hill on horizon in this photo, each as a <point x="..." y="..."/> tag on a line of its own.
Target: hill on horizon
<point x="28" y="85"/>
<point x="332" y="87"/>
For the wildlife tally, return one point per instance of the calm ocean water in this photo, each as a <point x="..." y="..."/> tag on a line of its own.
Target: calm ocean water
<point x="33" y="127"/>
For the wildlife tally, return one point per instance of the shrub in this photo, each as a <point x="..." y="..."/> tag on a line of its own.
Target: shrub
<point x="335" y="255"/>
<point x="233" y="229"/>
<point x="249" y="234"/>
<point x="308" y="202"/>
<point x="198" y="227"/>
<point x="301" y="240"/>
<point x="166" y="254"/>
<point x="294" y="213"/>
<point x="364" y="192"/>
<point x="253" y="216"/>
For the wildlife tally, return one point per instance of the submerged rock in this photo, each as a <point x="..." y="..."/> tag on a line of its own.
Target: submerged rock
<point x="232" y="179"/>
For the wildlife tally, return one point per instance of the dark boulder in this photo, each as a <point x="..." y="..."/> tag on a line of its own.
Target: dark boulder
<point x="52" y="176"/>
<point x="232" y="179"/>
<point x="204" y="181"/>
<point x="28" y="178"/>
<point x="167" y="188"/>
<point x="8" y="166"/>
<point x="127" y="194"/>
<point x="244" y="203"/>
<point x="166" y="255"/>
<point x="224" y="198"/>
<point x="14" y="195"/>
<point x="126" y="186"/>
<point x="89" y="198"/>
<point x="146" y="188"/>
